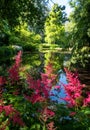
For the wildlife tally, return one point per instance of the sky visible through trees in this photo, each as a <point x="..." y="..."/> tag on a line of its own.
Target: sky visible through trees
<point x="68" y="9"/>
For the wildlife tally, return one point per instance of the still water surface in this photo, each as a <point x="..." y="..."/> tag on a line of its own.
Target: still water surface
<point x="59" y="93"/>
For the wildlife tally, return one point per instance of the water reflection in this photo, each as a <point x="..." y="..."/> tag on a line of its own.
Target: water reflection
<point x="56" y="59"/>
<point x="40" y="60"/>
<point x="59" y="93"/>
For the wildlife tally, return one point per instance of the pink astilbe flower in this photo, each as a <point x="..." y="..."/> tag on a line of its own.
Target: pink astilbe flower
<point x="1" y="109"/>
<point x="39" y="94"/>
<point x="35" y="98"/>
<point x="2" y="83"/>
<point x="72" y="114"/>
<point x="14" y="70"/>
<point x="16" y="92"/>
<point x="73" y="88"/>
<point x="86" y="101"/>
<point x="8" y="110"/>
<point x="50" y="126"/>
<point x="49" y="69"/>
<point x="57" y="87"/>
<point x="13" y="114"/>
<point x="17" y="119"/>
<point x="47" y="81"/>
<point x="18" y="59"/>
<point x="49" y="72"/>
<point x="41" y="87"/>
<point x="46" y="114"/>
<point x="2" y="80"/>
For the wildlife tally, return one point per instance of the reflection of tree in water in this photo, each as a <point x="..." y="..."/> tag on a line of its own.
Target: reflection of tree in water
<point x="55" y="58"/>
<point x="33" y="63"/>
<point x="37" y="62"/>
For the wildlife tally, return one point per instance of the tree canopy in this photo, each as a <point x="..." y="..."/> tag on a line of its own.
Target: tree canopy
<point x="54" y="25"/>
<point x="31" y="11"/>
<point x="80" y="17"/>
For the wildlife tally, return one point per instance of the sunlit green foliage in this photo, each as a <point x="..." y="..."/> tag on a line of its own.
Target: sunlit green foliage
<point x="25" y="38"/>
<point x="54" y="26"/>
<point x="80" y="33"/>
<point x="56" y="59"/>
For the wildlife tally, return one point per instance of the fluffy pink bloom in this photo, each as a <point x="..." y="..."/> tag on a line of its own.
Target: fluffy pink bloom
<point x="8" y="110"/>
<point x="14" y="70"/>
<point x="50" y="126"/>
<point x="49" y="113"/>
<point x="18" y="58"/>
<point x="12" y="114"/>
<point x="14" y="73"/>
<point x="73" y="88"/>
<point x="16" y="92"/>
<point x="35" y="98"/>
<point x="1" y="108"/>
<point x="70" y="101"/>
<point x="57" y="87"/>
<point x="49" y="69"/>
<point x="2" y="80"/>
<point x="86" y="101"/>
<point x="41" y="87"/>
<point x="17" y="119"/>
<point x="46" y="114"/>
<point x="72" y="113"/>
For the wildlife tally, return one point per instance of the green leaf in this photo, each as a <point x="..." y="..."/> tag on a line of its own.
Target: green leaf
<point x="87" y="111"/>
<point x="7" y="128"/>
<point x="44" y="128"/>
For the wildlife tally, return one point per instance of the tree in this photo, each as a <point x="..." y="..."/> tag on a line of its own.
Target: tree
<point x="54" y="26"/>
<point x="31" y="11"/>
<point x="81" y="31"/>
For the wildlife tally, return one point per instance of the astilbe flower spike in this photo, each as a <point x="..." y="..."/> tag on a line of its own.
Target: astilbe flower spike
<point x="49" y="113"/>
<point x="13" y="115"/>
<point x="50" y="126"/>
<point x="73" y="89"/>
<point x="2" y="81"/>
<point x="41" y="87"/>
<point x="87" y="100"/>
<point x="14" y="70"/>
<point x="46" y="114"/>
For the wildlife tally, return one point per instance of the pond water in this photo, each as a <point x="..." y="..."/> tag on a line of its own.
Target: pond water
<point x="59" y="93"/>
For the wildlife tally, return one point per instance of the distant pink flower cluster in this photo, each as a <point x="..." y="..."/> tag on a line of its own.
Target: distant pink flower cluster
<point x="18" y="59"/>
<point x="14" y="70"/>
